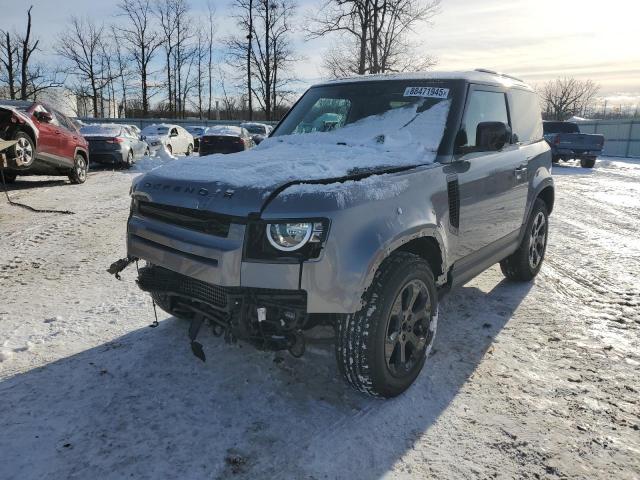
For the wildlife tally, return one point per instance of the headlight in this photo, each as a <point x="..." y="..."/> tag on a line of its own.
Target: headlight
<point x="285" y="241"/>
<point x="289" y="237"/>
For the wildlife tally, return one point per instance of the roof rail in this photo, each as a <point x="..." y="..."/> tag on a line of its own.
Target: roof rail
<point x="493" y="72"/>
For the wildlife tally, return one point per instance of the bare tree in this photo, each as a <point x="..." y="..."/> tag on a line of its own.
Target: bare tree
<point x="124" y="73"/>
<point x="141" y="40"/>
<point x="270" y="55"/>
<point x="211" y="25"/>
<point x="28" y="47"/>
<point x="563" y="98"/>
<point x="8" y="58"/>
<point x="375" y="35"/>
<point x="82" y="45"/>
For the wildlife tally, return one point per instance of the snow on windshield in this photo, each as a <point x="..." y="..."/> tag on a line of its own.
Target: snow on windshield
<point x="400" y="137"/>
<point x="100" y="130"/>
<point x="155" y="130"/>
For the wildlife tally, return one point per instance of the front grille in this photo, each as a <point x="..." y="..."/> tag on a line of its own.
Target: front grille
<point x="161" y="280"/>
<point x="206" y="222"/>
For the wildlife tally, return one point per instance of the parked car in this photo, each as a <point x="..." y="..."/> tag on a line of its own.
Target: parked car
<point x="134" y="129"/>
<point x="175" y="139"/>
<point x="567" y="142"/>
<point x="258" y="131"/>
<point x="225" y="139"/>
<point x="424" y="181"/>
<point x="196" y="132"/>
<point x="48" y="143"/>
<point x="114" y="144"/>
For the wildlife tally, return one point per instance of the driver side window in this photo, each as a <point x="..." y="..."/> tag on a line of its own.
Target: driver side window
<point x="326" y="114"/>
<point x="484" y="106"/>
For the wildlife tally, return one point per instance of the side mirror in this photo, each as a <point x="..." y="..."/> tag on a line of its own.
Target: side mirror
<point x="492" y="136"/>
<point x="44" y="117"/>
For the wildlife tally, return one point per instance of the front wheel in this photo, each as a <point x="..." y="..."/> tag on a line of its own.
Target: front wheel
<point x="382" y="348"/>
<point x="80" y="168"/>
<point x="525" y="263"/>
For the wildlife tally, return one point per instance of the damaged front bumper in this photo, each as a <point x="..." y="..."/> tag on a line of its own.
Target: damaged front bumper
<point x="269" y="319"/>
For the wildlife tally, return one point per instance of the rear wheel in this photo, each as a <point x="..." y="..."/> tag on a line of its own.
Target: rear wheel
<point x="169" y="149"/>
<point x="588" y="162"/>
<point x="128" y="163"/>
<point x="382" y="348"/>
<point x="79" y="173"/>
<point x="525" y="263"/>
<point x="189" y="149"/>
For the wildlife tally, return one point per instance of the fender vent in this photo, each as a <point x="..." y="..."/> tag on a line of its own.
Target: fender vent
<point x="454" y="204"/>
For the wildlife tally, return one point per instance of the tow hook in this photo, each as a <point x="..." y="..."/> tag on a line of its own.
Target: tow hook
<point x="119" y="265"/>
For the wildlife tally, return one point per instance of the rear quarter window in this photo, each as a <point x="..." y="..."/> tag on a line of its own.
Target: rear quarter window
<point x="526" y="119"/>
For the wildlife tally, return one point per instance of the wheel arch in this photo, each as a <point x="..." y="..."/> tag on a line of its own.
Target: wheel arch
<point x="24" y="128"/>
<point x="548" y="196"/>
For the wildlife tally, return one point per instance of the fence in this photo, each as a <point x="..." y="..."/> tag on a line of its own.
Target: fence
<point x="621" y="137"/>
<point x="143" y="122"/>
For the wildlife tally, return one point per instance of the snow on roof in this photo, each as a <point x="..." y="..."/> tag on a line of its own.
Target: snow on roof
<point x="397" y="138"/>
<point x="471" y="76"/>
<point x="228" y="130"/>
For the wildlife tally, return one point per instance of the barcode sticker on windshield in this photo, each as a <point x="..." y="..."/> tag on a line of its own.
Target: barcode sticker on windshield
<point x="429" y="92"/>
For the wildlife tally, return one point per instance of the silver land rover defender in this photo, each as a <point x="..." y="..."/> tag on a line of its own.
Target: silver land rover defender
<point x="372" y="198"/>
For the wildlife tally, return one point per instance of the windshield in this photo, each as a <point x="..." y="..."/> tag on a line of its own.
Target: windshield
<point x="332" y="107"/>
<point x="108" y="130"/>
<point x="155" y="130"/>
<point x="560" y="127"/>
<point x="196" y="130"/>
<point x="255" y="129"/>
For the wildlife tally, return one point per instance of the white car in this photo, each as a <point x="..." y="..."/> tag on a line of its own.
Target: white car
<point x="175" y="139"/>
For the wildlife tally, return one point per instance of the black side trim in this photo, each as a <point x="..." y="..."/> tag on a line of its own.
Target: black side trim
<point x="453" y="191"/>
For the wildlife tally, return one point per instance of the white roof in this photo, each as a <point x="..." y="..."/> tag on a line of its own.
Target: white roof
<point x="475" y="76"/>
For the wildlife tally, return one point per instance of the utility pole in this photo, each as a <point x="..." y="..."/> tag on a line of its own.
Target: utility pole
<point x="249" y="38"/>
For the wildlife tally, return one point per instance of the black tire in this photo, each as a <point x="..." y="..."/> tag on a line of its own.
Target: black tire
<point x="9" y="177"/>
<point x="588" y="162"/>
<point x="128" y="163"/>
<point x="147" y="152"/>
<point x="169" y="149"/>
<point x="366" y="346"/>
<point x="555" y="159"/>
<point x="525" y="263"/>
<point x="24" y="150"/>
<point x="79" y="173"/>
<point x="189" y="150"/>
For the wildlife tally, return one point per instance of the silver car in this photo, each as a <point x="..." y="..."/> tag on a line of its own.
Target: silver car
<point x="373" y="198"/>
<point x="114" y="144"/>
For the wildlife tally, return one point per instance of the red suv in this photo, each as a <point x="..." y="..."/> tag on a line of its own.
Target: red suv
<point x="48" y="142"/>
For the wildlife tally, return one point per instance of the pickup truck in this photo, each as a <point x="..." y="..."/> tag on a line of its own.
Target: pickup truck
<point x="567" y="142"/>
<point x="422" y="182"/>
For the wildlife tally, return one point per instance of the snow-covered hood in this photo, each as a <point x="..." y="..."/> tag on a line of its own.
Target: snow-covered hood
<point x="22" y="116"/>
<point x="240" y="183"/>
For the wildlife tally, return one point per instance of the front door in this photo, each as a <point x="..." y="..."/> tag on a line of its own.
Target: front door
<point x="492" y="185"/>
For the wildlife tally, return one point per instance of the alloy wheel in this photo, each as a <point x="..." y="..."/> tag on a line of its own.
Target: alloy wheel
<point x="24" y="151"/>
<point x="537" y="240"/>
<point x="408" y="328"/>
<point x="81" y="168"/>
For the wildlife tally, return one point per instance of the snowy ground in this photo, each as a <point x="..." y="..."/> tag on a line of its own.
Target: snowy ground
<point x="525" y="381"/>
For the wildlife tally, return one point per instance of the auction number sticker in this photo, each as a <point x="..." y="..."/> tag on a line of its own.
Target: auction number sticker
<point x="429" y="92"/>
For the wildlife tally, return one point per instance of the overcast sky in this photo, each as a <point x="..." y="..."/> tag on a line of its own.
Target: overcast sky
<point x="536" y="40"/>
